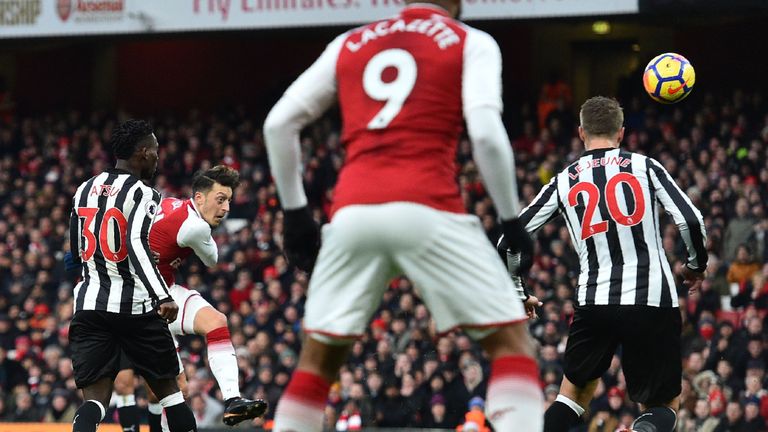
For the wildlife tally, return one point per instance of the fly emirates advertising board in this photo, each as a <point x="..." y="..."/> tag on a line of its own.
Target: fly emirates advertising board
<point x="40" y="18"/>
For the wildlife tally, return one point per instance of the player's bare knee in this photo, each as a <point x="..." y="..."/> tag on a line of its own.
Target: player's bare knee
<point x="509" y="340"/>
<point x="218" y="320"/>
<point x="163" y="388"/>
<point x="209" y="319"/>
<point x="325" y="357"/>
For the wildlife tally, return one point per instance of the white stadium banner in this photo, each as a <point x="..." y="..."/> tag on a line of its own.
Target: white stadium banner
<point x="31" y="18"/>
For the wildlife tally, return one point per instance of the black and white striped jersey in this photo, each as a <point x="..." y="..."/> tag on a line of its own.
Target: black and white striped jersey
<point x="112" y="214"/>
<point x="610" y="198"/>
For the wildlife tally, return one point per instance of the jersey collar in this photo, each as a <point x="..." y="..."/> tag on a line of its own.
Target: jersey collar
<point x="194" y="207"/>
<point x="598" y="151"/>
<point x="427" y="7"/>
<point x="114" y="170"/>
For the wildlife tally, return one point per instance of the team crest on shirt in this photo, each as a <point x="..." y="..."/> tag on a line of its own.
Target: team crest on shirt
<point x="151" y="209"/>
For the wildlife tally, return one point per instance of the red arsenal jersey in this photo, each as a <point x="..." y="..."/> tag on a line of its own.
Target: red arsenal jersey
<point x="399" y="88"/>
<point x="179" y="231"/>
<point x="405" y="85"/>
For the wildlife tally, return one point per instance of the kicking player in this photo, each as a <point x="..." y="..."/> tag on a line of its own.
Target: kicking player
<point x="183" y="227"/>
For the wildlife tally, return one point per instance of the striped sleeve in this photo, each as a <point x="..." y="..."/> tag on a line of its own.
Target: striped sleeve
<point x="145" y="206"/>
<point x="687" y="217"/>
<point x="544" y="208"/>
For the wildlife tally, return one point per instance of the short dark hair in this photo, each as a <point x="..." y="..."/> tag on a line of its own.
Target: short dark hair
<point x="221" y="174"/>
<point x="126" y="137"/>
<point x="601" y="116"/>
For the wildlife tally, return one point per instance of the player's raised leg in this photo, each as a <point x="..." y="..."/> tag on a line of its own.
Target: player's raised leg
<point x="222" y="360"/>
<point x="199" y="317"/>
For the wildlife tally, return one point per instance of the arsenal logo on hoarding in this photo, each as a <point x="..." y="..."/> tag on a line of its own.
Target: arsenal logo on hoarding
<point x="64" y="8"/>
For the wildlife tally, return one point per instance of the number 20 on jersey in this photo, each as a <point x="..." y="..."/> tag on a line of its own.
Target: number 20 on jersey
<point x="592" y="199"/>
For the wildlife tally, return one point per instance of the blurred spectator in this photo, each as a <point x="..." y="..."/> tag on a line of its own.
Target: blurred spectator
<point x="743" y="267"/>
<point x="437" y="417"/>
<point x="204" y="416"/>
<point x="739" y="230"/>
<point x="554" y="92"/>
<point x="349" y="419"/>
<point x="61" y="409"/>
<point x="753" y="420"/>
<point x="474" y="419"/>
<point x="733" y="420"/>
<point x="24" y="410"/>
<point x="392" y="410"/>
<point x="702" y="421"/>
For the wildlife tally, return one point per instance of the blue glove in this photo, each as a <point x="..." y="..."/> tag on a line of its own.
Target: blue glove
<point x="71" y="263"/>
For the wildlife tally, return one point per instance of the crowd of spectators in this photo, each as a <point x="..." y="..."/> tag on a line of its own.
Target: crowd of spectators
<point x="400" y="373"/>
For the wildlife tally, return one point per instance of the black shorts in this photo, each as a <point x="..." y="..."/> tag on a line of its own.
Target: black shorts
<point x="650" y="341"/>
<point x="99" y="338"/>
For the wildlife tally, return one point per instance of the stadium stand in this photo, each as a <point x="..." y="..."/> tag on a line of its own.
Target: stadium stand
<point x="401" y="374"/>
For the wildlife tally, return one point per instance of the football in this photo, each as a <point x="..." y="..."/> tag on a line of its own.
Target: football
<point x="669" y="78"/>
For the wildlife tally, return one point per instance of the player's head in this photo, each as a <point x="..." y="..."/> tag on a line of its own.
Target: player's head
<point x="134" y="142"/>
<point x="212" y="191"/>
<point x="602" y="122"/>
<point x="452" y="6"/>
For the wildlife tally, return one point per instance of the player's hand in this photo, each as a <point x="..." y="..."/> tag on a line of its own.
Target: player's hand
<point x="168" y="310"/>
<point x="70" y="263"/>
<point x="301" y="238"/>
<point x="531" y="303"/>
<point x="692" y="279"/>
<point x="155" y="256"/>
<point x="518" y="241"/>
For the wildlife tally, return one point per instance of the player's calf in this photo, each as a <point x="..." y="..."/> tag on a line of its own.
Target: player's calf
<point x="562" y="415"/>
<point x="568" y="408"/>
<point x="301" y="406"/>
<point x="656" y="419"/>
<point x="155" y="417"/>
<point x="88" y="416"/>
<point x="514" y="397"/>
<point x="221" y="354"/>
<point x="180" y="417"/>
<point x="223" y="363"/>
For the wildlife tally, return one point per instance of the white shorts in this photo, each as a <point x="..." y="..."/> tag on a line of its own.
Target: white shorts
<point x="190" y="302"/>
<point x="446" y="255"/>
